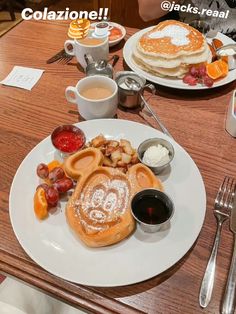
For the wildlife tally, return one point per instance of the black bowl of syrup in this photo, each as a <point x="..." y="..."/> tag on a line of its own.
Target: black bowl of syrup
<point x="152" y="209"/>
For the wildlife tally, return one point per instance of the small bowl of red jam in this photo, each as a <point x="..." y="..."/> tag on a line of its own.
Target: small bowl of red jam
<point x="68" y="139"/>
<point x="152" y="209"/>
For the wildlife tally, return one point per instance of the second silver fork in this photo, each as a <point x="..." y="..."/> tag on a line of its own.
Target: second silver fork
<point x="222" y="205"/>
<point x="65" y="58"/>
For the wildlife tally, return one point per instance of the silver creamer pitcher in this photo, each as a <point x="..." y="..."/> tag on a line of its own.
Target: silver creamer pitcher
<point x="130" y="98"/>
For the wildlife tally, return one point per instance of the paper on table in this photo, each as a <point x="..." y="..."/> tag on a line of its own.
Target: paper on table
<point x="22" y="77"/>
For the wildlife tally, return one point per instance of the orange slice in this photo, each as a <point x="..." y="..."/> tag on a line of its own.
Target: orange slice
<point x="53" y="164"/>
<point x="213" y="70"/>
<point x="217" y="69"/>
<point x="223" y="67"/>
<point x="40" y="204"/>
<point x="224" y="58"/>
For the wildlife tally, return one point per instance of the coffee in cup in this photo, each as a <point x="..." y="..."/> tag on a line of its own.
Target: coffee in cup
<point x="95" y="96"/>
<point x="88" y="41"/>
<point x="96" y="92"/>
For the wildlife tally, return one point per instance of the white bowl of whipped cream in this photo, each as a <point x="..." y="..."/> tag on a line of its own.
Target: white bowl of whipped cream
<point x="156" y="153"/>
<point x="228" y="52"/>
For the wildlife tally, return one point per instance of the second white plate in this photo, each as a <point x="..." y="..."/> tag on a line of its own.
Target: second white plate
<point x="169" y="82"/>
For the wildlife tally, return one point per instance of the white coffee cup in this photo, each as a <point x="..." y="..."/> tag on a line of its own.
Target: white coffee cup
<point x="79" y="49"/>
<point x="94" y="108"/>
<point x="102" y="29"/>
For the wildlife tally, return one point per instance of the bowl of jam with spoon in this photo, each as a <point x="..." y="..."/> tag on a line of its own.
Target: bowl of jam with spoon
<point x="152" y="209"/>
<point x="68" y="139"/>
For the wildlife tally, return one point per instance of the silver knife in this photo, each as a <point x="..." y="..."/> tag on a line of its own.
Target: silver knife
<point x="229" y="299"/>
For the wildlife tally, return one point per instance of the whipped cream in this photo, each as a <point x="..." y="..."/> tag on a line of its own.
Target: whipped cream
<point x="227" y="52"/>
<point x="156" y="156"/>
<point x="177" y="34"/>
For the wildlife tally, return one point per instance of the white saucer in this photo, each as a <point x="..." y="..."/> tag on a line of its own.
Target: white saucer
<point x="97" y="36"/>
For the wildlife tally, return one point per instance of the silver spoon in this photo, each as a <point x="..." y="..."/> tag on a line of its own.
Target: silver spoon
<point x="134" y="85"/>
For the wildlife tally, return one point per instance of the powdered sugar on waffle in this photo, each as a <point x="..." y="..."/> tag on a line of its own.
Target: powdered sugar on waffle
<point x="101" y="205"/>
<point x="177" y="34"/>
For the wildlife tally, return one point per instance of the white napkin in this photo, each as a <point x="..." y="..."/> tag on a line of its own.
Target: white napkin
<point x="23" y="77"/>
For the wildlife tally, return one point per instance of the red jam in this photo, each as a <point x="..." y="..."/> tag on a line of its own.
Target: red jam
<point x="68" y="141"/>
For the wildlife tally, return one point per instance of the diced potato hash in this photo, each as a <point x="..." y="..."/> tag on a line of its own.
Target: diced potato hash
<point x="117" y="154"/>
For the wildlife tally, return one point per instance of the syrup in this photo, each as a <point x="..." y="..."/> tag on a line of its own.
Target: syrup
<point x="150" y="209"/>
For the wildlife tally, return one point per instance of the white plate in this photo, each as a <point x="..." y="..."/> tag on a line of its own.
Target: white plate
<point x="113" y="43"/>
<point x="174" y="83"/>
<point x="9" y="309"/>
<point x="52" y="245"/>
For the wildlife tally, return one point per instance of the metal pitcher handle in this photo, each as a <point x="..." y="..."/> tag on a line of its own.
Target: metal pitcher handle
<point x="149" y="87"/>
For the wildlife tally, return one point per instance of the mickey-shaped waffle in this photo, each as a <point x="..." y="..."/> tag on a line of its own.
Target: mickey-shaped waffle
<point x="99" y="209"/>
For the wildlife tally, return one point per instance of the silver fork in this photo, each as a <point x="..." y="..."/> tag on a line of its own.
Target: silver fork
<point x="65" y="58"/>
<point x="223" y="203"/>
<point x="61" y="56"/>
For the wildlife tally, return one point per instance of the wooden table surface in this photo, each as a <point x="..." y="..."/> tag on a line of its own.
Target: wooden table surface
<point x="195" y="119"/>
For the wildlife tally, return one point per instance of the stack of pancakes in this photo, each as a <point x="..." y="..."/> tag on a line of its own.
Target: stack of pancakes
<point x="79" y="28"/>
<point x="170" y="48"/>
